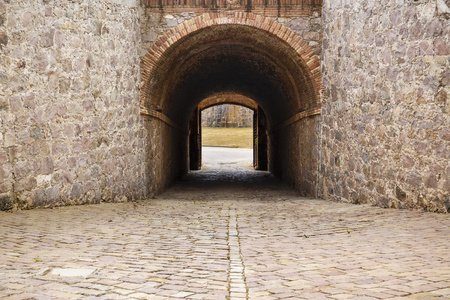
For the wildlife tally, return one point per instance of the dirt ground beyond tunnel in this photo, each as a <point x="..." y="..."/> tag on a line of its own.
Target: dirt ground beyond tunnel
<point x="234" y="234"/>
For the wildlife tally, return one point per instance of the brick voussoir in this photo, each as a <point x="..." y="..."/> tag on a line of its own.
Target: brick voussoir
<point x="156" y="53"/>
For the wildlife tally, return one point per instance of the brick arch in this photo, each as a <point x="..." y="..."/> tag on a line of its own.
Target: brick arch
<point x="157" y="52"/>
<point x="228" y="99"/>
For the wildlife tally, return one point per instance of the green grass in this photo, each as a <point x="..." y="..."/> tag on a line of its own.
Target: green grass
<point x="228" y="137"/>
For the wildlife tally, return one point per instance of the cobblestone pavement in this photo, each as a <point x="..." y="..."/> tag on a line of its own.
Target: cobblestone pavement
<point x="229" y="235"/>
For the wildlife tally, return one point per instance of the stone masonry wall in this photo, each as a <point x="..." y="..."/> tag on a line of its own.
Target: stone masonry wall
<point x="227" y="115"/>
<point x="156" y="24"/>
<point x="70" y="130"/>
<point x="386" y="132"/>
<point x="295" y="162"/>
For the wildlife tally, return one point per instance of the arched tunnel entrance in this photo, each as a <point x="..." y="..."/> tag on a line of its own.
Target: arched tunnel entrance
<point x="259" y="124"/>
<point x="237" y="53"/>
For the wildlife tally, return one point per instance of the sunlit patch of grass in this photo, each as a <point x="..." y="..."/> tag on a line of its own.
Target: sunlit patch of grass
<point x="228" y="137"/>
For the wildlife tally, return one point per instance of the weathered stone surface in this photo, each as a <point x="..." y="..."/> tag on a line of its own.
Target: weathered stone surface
<point x="180" y="247"/>
<point x="52" y="194"/>
<point x="6" y="203"/>
<point x="56" y="67"/>
<point x="69" y="103"/>
<point x="443" y="7"/>
<point x="227" y="116"/>
<point x="445" y="77"/>
<point x="441" y="47"/>
<point x="300" y="24"/>
<point x="3" y="40"/>
<point x="399" y="92"/>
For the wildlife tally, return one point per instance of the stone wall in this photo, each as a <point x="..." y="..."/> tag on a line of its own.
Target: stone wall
<point x="227" y="115"/>
<point x="156" y="24"/>
<point x="386" y="132"/>
<point x="167" y="153"/>
<point x="293" y="155"/>
<point x="69" y="77"/>
<point x="71" y="131"/>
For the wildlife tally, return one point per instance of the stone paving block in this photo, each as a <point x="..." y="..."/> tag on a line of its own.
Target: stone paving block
<point x="139" y="296"/>
<point x="442" y="292"/>
<point x="26" y="296"/>
<point x="341" y="296"/>
<point x="113" y="297"/>
<point x="121" y="291"/>
<point x="182" y="294"/>
<point x="72" y="272"/>
<point x="426" y="296"/>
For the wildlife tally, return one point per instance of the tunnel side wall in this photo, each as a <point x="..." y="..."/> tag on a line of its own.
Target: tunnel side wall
<point x="385" y="131"/>
<point x="71" y="131"/>
<point x="166" y="154"/>
<point x="293" y="155"/>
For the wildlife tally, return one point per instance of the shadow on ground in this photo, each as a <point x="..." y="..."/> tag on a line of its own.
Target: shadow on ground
<point x="228" y="173"/>
<point x="230" y="179"/>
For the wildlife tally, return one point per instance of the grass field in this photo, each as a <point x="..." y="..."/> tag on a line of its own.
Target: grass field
<point x="229" y="137"/>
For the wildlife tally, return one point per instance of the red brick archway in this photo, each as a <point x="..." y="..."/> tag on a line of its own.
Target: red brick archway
<point x="235" y="53"/>
<point x="158" y="50"/>
<point x="228" y="99"/>
<point x="259" y="130"/>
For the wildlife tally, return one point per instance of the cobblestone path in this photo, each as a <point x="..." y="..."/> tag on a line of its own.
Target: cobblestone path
<point x="229" y="235"/>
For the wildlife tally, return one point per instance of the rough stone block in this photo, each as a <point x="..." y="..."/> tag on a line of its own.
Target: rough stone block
<point x="47" y="165"/>
<point x="6" y="187"/>
<point x="76" y="191"/>
<point x="441" y="47"/>
<point x="39" y="198"/>
<point x="47" y="38"/>
<point x="23" y="136"/>
<point x="9" y="140"/>
<point x="38" y="133"/>
<point x="43" y="180"/>
<point x="24" y="184"/>
<point x="6" y="202"/>
<point x="3" y="40"/>
<point x="5" y="172"/>
<point x="3" y="157"/>
<point x="311" y="36"/>
<point x="22" y="169"/>
<point x="52" y="194"/>
<point x="300" y="24"/>
<point x="172" y="22"/>
<point x="443" y="7"/>
<point x="60" y="38"/>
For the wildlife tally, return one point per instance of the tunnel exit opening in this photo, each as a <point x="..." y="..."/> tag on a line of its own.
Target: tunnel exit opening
<point x="240" y="111"/>
<point x="240" y="54"/>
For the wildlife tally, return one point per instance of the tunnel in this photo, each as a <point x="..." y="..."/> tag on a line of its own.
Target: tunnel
<point x="239" y="54"/>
